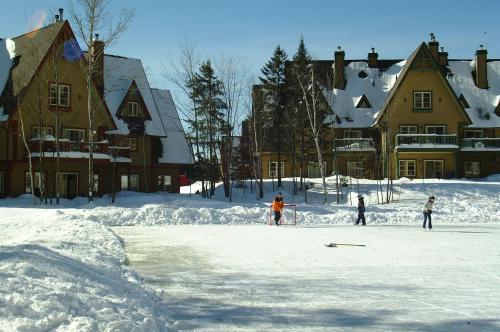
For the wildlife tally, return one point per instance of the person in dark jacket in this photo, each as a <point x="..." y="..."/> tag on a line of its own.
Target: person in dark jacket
<point x="361" y="211"/>
<point x="428" y="210"/>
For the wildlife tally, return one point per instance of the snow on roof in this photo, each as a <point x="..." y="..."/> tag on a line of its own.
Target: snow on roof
<point x="175" y="147"/>
<point x="119" y="73"/>
<point x="482" y="102"/>
<point x="375" y="84"/>
<point x="7" y="53"/>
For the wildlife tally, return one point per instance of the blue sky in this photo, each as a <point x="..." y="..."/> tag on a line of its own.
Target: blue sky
<point x="250" y="30"/>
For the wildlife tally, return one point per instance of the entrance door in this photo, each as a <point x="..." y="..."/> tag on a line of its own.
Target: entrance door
<point x="433" y="169"/>
<point x="67" y="184"/>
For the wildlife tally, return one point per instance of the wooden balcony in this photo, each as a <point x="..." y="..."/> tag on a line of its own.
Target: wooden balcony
<point x="79" y="150"/>
<point x="426" y="142"/>
<point x="480" y="145"/>
<point x="354" y="145"/>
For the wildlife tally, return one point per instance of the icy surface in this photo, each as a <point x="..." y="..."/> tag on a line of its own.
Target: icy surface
<point x="255" y="277"/>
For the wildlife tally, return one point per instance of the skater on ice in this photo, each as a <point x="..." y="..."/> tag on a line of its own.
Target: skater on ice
<point x="278" y="205"/>
<point x="361" y="211"/>
<point x="428" y="211"/>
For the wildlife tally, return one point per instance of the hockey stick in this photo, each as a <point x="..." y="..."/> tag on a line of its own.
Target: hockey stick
<point x="334" y="245"/>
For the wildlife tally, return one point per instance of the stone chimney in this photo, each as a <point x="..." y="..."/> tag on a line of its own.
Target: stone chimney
<point x="372" y="58"/>
<point x="61" y="12"/>
<point x="434" y="47"/>
<point x="443" y="57"/>
<point x="97" y="54"/>
<point x="481" y="70"/>
<point x="338" y="71"/>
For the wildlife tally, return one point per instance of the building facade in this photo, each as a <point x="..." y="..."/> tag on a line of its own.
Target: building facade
<point x="139" y="143"/>
<point x="426" y="116"/>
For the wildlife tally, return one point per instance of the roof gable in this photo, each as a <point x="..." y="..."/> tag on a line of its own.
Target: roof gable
<point x="420" y="59"/>
<point x="134" y="95"/>
<point x="363" y="102"/>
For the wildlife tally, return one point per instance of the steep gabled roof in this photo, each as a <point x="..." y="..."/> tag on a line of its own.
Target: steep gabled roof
<point x="175" y="146"/>
<point x="422" y="54"/>
<point x="31" y="49"/>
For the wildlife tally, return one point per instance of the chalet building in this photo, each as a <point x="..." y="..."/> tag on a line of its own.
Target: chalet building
<point x="138" y="137"/>
<point x="426" y="116"/>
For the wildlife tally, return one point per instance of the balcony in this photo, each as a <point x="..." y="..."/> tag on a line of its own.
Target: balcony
<point x="480" y="144"/>
<point x="354" y="145"/>
<point x="426" y="142"/>
<point x="79" y="150"/>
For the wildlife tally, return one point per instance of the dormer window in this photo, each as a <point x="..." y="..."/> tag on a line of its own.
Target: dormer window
<point x="132" y="109"/>
<point x="60" y="95"/>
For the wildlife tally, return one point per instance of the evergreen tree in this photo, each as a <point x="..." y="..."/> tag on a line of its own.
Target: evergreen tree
<point x="273" y="79"/>
<point x="208" y="123"/>
<point x="300" y="71"/>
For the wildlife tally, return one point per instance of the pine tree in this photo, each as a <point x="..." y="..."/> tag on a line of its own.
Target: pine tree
<point x="209" y="123"/>
<point x="274" y="80"/>
<point x="300" y="70"/>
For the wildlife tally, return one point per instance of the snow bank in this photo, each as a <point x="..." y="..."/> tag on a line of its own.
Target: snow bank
<point x="60" y="273"/>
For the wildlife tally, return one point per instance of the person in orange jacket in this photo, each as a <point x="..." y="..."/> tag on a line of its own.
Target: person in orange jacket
<point x="278" y="205"/>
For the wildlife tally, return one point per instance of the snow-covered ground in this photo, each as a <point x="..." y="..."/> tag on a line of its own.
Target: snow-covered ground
<point x="218" y="265"/>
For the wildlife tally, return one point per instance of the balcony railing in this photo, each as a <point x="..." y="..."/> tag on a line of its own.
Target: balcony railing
<point x="480" y="144"/>
<point x="75" y="149"/>
<point x="354" y="144"/>
<point x="426" y="141"/>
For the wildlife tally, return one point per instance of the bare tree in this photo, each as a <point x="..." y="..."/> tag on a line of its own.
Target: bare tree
<point x="28" y="150"/>
<point x="93" y="18"/>
<point x="312" y="98"/>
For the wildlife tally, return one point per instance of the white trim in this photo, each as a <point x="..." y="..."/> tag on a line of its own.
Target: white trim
<point x="422" y="95"/>
<point x="434" y="161"/>
<point x="405" y="173"/>
<point x="274" y="173"/>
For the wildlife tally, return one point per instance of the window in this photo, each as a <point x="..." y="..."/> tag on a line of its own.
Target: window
<point x="408" y="130"/>
<point x="164" y="183"/>
<point x="433" y="169"/>
<point x="273" y="169"/>
<point x="355" y="169"/>
<point x="38" y="178"/>
<point x="47" y="131"/>
<point x="422" y="100"/>
<point x="124" y="182"/>
<point x="74" y="135"/>
<point x="59" y="95"/>
<point x="96" y="183"/>
<point x="437" y="130"/>
<point x="132" y="109"/>
<point x="313" y="170"/>
<point x="353" y="133"/>
<point x="407" y="168"/>
<point x="130" y="142"/>
<point x="2" y="182"/>
<point x="477" y="133"/>
<point x="472" y="169"/>
<point x="134" y="182"/>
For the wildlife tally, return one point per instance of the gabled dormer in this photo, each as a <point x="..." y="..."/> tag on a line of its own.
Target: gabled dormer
<point x="363" y="102"/>
<point x="133" y="110"/>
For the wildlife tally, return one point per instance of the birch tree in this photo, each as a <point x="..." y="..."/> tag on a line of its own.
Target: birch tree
<point x="94" y="18"/>
<point x="313" y="102"/>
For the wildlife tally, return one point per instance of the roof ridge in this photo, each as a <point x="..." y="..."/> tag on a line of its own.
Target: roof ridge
<point x="39" y="29"/>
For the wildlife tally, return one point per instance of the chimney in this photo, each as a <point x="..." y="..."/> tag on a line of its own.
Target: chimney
<point x="372" y="58"/>
<point x="443" y="57"/>
<point x="56" y="17"/>
<point x="434" y="46"/>
<point x="338" y="71"/>
<point x="481" y="71"/>
<point x="97" y="54"/>
<point x="61" y="11"/>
